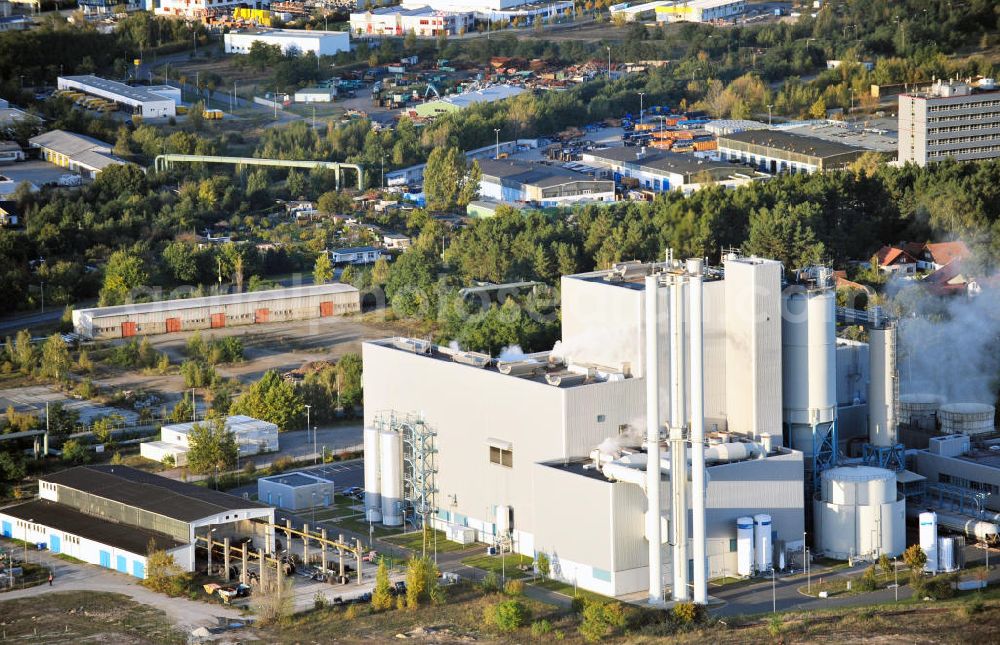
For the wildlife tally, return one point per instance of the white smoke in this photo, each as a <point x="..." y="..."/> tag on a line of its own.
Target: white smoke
<point x="950" y="346"/>
<point x="454" y="346"/>
<point x="512" y="353"/>
<point x="608" y="347"/>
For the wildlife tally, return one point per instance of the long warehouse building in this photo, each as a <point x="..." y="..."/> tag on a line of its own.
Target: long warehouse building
<point x="109" y="515"/>
<point x="150" y="102"/>
<point x="214" y="312"/>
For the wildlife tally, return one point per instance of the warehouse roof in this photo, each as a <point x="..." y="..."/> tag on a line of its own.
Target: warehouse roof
<point x="153" y="493"/>
<point x="530" y="173"/>
<point x="218" y="301"/>
<point x="658" y="160"/>
<point x="68" y="143"/>
<point x="140" y="94"/>
<point x="789" y="142"/>
<point x="69" y="520"/>
<point x="295" y="480"/>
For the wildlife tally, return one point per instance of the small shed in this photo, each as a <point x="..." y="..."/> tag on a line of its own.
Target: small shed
<point x="295" y="491"/>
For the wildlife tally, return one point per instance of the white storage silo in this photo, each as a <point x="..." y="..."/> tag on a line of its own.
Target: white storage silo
<point x="391" y="477"/>
<point x="744" y="546"/>
<point x="928" y="540"/>
<point x="859" y="513"/>
<point x="966" y="418"/>
<point x="809" y="361"/>
<point x="919" y="409"/>
<point x="881" y="386"/>
<point x="373" y="497"/>
<point x="946" y="554"/>
<point x="763" y="557"/>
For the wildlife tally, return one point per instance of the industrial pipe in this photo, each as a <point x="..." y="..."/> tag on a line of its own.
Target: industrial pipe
<point x="696" y="359"/>
<point x="653" y="510"/>
<point x="678" y="463"/>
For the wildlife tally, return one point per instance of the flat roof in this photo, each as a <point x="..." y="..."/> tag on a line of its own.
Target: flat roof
<point x="237" y="424"/>
<point x="65" y="518"/>
<point x="218" y="301"/>
<point x="870" y="138"/>
<point x="314" y="34"/>
<point x="535" y="174"/>
<point x="296" y="480"/>
<point x="68" y="143"/>
<point x="153" y="493"/>
<point x="135" y="93"/>
<point x="790" y="142"/>
<point x="659" y="160"/>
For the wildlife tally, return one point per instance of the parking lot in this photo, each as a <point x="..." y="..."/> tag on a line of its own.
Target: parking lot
<point x="33" y="399"/>
<point x="33" y="171"/>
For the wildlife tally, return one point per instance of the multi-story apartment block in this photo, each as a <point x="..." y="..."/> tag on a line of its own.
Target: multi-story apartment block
<point x="951" y="119"/>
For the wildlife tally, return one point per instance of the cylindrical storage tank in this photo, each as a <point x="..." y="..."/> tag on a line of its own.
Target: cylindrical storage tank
<point x="762" y="542"/>
<point x="966" y="418"/>
<point x="918" y="407"/>
<point x="391" y="477"/>
<point x="767" y="442"/>
<point x="928" y="540"/>
<point x="744" y="546"/>
<point x="946" y="554"/>
<point x="373" y="497"/>
<point x="882" y="374"/>
<point x="859" y="513"/>
<point x="503" y="520"/>
<point x="809" y="356"/>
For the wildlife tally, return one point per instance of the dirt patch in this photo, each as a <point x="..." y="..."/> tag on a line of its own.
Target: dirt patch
<point x="85" y="617"/>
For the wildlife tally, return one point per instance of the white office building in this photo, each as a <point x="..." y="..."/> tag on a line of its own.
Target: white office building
<point x="952" y="119"/>
<point x="701" y="11"/>
<point x="320" y="43"/>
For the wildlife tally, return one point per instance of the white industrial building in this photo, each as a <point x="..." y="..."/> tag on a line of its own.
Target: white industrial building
<point x="191" y="8"/>
<point x="252" y="436"/>
<point x="319" y="42"/>
<point x="544" y="453"/>
<point x="295" y="491"/>
<point x="315" y="95"/>
<point x="522" y="182"/>
<point x="216" y="312"/>
<point x="498" y="10"/>
<point x="661" y="170"/>
<point x="418" y="20"/>
<point x="108" y="515"/>
<point x="75" y="152"/>
<point x="701" y="10"/>
<point x="149" y="102"/>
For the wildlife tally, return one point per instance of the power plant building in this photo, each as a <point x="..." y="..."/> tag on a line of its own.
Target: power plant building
<point x="544" y="453"/>
<point x="216" y="312"/>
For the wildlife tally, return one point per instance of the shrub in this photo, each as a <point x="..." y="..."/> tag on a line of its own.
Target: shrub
<point x="514" y="588"/>
<point x="687" y="613"/>
<point x="490" y="582"/>
<point x="936" y="588"/>
<point x="352" y="611"/>
<point x="319" y="600"/>
<point x="540" y="628"/>
<point x="576" y="605"/>
<point x="507" y="615"/>
<point x="543" y="565"/>
<point x="601" y="619"/>
<point x="381" y="596"/>
<point x="973" y="607"/>
<point x="400" y="602"/>
<point x="774" y="625"/>
<point x="868" y="580"/>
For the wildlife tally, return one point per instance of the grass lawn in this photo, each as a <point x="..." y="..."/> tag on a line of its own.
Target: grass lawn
<point x="96" y="618"/>
<point x="414" y="541"/>
<point x="358" y="524"/>
<point x="566" y="589"/>
<point x="69" y="558"/>
<point x="493" y="563"/>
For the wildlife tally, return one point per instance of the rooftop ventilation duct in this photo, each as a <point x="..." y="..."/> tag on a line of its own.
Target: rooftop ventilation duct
<point x="475" y="359"/>
<point x="559" y="379"/>
<point x="519" y="368"/>
<point x="413" y="345"/>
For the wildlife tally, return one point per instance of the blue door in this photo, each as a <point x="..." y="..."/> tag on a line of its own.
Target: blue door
<point x="55" y="543"/>
<point x="326" y="499"/>
<point x="105" y="559"/>
<point x="656" y="184"/>
<point x="5" y="529"/>
<point x="122" y="564"/>
<point x="138" y="570"/>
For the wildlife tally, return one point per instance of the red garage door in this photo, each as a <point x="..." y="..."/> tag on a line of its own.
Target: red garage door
<point x="218" y="320"/>
<point x="261" y="315"/>
<point x="173" y="324"/>
<point x="128" y="329"/>
<point x="326" y="308"/>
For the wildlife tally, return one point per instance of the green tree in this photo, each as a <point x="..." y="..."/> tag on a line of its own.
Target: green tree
<point x="181" y="261"/>
<point x="381" y="595"/>
<point x="507" y="615"/>
<point x="470" y="184"/>
<point x="443" y="177"/>
<point x="421" y="581"/>
<point x="543" y="564"/>
<point x="163" y="574"/>
<point x="123" y="273"/>
<point x="915" y="559"/>
<point x="410" y="288"/>
<point x="322" y="269"/>
<point x="196" y="115"/>
<point x="55" y="358"/>
<point x="818" y="109"/>
<point x="272" y="399"/>
<point x="380" y="272"/>
<point x="74" y="452"/>
<point x="211" y="447"/>
<point x="885" y="564"/>
<point x="182" y="411"/>
<point x="25" y="356"/>
<point x="785" y="233"/>
<point x="349" y="381"/>
<point x="12" y="468"/>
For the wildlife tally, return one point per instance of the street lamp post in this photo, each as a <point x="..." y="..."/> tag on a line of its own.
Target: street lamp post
<point x="774" y="594"/>
<point x="308" y="420"/>
<point x="808" y="574"/>
<point x="609" y="62"/>
<point x="641" y="94"/>
<point x="497" y="131"/>
<point x="769" y="118"/>
<point x="895" y="578"/>
<point x="315" y="448"/>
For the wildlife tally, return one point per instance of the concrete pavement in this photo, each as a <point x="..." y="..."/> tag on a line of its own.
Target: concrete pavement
<point x="185" y="614"/>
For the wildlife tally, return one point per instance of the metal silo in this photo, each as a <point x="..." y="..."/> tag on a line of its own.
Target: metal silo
<point x="744" y="546"/>
<point x="809" y="366"/>
<point x="928" y="540"/>
<point x="762" y="549"/>
<point x="391" y="480"/>
<point x="373" y="497"/>
<point x="882" y="386"/>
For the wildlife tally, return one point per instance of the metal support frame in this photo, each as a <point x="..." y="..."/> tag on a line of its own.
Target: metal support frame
<point x="419" y="452"/>
<point x="890" y="457"/>
<point x="824" y="454"/>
